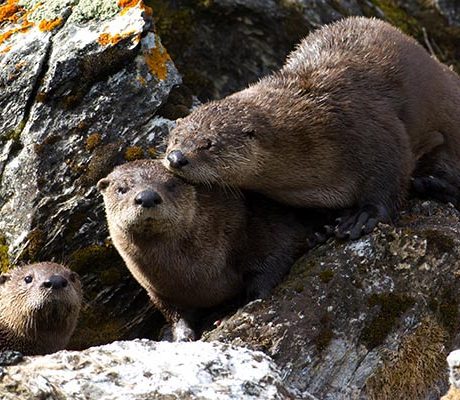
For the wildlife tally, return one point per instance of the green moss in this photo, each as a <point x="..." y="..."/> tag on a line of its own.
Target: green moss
<point x="399" y="17"/>
<point x="325" y="334"/>
<point x="392" y="307"/>
<point x="95" y="329"/>
<point x="111" y="276"/>
<point x="94" y="257"/>
<point x="39" y="148"/>
<point x="439" y="242"/>
<point x="326" y="275"/>
<point x="412" y="370"/>
<point x="4" y="256"/>
<point x="103" y="159"/>
<point x="35" y="241"/>
<point x="445" y="306"/>
<point x="134" y="153"/>
<point x="300" y="273"/>
<point x="92" y="141"/>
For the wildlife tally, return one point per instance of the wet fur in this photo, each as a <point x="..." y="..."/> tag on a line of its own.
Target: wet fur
<point x="202" y="247"/>
<point x="34" y="319"/>
<point x="358" y="108"/>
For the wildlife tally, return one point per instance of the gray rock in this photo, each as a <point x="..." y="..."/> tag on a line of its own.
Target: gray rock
<point x="141" y="369"/>
<point x="450" y="9"/>
<point x="370" y="319"/>
<point x="80" y="92"/>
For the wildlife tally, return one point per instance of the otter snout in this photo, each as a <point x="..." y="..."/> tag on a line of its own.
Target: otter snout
<point x="177" y="159"/>
<point x="148" y="198"/>
<point x="55" y="282"/>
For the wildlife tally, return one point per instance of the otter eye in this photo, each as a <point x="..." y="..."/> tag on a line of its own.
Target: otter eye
<point x="122" y="189"/>
<point x="209" y="144"/>
<point x="28" y="279"/>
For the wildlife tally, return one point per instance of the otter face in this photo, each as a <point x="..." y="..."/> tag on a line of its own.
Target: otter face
<point x="41" y="302"/>
<point x="216" y="143"/>
<point x="143" y="197"/>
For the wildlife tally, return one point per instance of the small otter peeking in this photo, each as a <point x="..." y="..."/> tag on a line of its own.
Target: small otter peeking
<point x="359" y="112"/>
<point x="39" y="308"/>
<point x="194" y="248"/>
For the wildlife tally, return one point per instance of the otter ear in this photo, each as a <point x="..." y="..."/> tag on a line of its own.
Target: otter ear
<point x="4" y="278"/>
<point x="103" y="184"/>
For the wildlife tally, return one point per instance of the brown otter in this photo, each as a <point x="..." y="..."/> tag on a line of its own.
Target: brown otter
<point x="193" y="247"/>
<point x="358" y="108"/>
<point x="39" y="307"/>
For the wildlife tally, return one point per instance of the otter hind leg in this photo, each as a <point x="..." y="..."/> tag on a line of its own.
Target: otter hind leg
<point x="436" y="188"/>
<point x="437" y="176"/>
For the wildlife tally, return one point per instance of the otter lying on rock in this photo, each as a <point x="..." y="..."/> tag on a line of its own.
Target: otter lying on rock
<point x="39" y="307"/>
<point x="357" y="110"/>
<point x="194" y="248"/>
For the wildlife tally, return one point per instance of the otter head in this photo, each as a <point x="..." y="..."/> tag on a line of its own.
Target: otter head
<point x="218" y="143"/>
<point x="39" y="306"/>
<point x="143" y="197"/>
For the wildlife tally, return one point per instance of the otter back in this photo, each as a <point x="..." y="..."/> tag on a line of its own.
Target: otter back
<point x="358" y="110"/>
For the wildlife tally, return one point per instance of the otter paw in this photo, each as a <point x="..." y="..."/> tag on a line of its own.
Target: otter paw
<point x="320" y="236"/>
<point x="354" y="224"/>
<point x="436" y="188"/>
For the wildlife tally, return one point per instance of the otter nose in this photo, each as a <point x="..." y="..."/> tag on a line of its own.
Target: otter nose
<point x="148" y="198"/>
<point x="177" y="159"/>
<point x="55" y="282"/>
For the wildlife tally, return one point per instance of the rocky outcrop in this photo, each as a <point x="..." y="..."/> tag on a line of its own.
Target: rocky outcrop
<point x="85" y="85"/>
<point x="142" y="369"/>
<point x="366" y="319"/>
<point x="81" y="83"/>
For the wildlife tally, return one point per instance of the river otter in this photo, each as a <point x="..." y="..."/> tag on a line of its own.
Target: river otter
<point x="194" y="248"/>
<point x="39" y="307"/>
<point x="356" y="111"/>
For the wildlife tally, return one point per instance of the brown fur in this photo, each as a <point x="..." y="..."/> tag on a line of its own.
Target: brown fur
<point x="200" y="247"/>
<point x="356" y="110"/>
<point x="35" y="319"/>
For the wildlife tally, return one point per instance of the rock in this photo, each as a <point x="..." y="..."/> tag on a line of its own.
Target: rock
<point x="453" y="360"/>
<point x="370" y="319"/>
<point x="142" y="369"/>
<point x="80" y="86"/>
<point x="450" y="9"/>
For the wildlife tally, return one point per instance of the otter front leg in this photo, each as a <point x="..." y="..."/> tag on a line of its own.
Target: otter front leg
<point x="181" y="327"/>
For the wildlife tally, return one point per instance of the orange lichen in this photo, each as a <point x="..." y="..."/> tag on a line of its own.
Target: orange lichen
<point x="9" y="11"/>
<point x="125" y="4"/>
<point x="24" y="27"/>
<point x="106" y="39"/>
<point x="156" y="59"/>
<point x="13" y="13"/>
<point x="6" y="49"/>
<point x="48" y="25"/>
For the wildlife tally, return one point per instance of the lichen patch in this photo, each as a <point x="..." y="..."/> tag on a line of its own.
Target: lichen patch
<point x="156" y="58"/>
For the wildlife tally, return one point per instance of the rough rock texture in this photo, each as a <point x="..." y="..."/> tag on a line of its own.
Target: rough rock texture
<point x="219" y="46"/>
<point x="453" y="359"/>
<point x="366" y="319"/>
<point x="80" y="85"/>
<point x="87" y="84"/>
<point x="141" y="369"/>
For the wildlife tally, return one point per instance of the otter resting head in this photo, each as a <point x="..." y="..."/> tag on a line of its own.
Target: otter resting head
<point x="39" y="307"/>
<point x="223" y="149"/>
